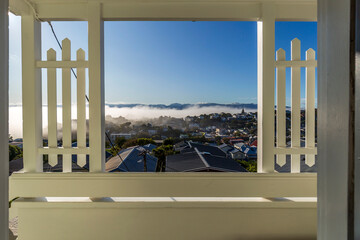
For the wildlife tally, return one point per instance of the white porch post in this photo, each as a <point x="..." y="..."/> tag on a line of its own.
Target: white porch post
<point x="4" y="108"/>
<point x="96" y="88"/>
<point x="31" y="93"/>
<point x="266" y="88"/>
<point x="335" y="121"/>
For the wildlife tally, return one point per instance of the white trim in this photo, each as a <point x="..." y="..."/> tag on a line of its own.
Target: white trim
<point x="295" y="150"/>
<point x="238" y="10"/>
<point x="295" y="63"/>
<point x="64" y="150"/>
<point x="61" y="64"/>
<point x="163" y="184"/>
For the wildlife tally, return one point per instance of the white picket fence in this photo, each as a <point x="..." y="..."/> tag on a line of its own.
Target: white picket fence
<point x="66" y="150"/>
<point x="281" y="149"/>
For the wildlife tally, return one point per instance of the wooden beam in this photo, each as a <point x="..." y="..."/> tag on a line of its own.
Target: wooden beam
<point x="19" y="7"/>
<point x="32" y="93"/>
<point x="266" y="89"/>
<point x="96" y="89"/>
<point x="334" y="125"/>
<point x="177" y="11"/>
<point x="4" y="119"/>
<point x="356" y="66"/>
<point x="163" y="185"/>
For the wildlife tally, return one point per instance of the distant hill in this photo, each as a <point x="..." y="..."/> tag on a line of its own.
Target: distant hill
<point x="180" y="106"/>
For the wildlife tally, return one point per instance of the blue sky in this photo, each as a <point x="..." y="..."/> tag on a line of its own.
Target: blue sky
<point x="167" y="62"/>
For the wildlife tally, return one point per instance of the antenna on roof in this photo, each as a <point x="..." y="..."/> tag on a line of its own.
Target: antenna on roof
<point x="143" y="152"/>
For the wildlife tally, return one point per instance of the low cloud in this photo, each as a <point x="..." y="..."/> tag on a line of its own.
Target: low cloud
<point x="130" y="113"/>
<point x="144" y="112"/>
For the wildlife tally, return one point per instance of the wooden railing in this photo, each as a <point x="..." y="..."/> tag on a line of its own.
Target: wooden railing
<point x="281" y="149"/>
<point x="66" y="150"/>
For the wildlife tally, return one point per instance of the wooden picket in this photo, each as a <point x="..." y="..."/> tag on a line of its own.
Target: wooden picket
<point x="281" y="149"/>
<point x="81" y="109"/>
<point x="310" y="108"/>
<point x="281" y="107"/>
<point x="295" y="104"/>
<point x="52" y="107"/>
<point x="66" y="104"/>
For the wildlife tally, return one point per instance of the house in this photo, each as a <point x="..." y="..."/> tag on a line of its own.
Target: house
<point x="194" y="160"/>
<point x="232" y="152"/>
<point x="249" y="151"/>
<point x="149" y="147"/>
<point x="237" y="154"/>
<point x="152" y="131"/>
<point x="225" y="148"/>
<point x="254" y="143"/>
<point x="131" y="160"/>
<point x="194" y="125"/>
<point x="114" y="136"/>
<point x="181" y="145"/>
<point x="236" y="140"/>
<point x="212" y="150"/>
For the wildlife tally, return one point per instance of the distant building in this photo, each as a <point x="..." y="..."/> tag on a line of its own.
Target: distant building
<point x="152" y="131"/>
<point x="194" y="125"/>
<point x="183" y="136"/>
<point x="249" y="151"/>
<point x="114" y="136"/>
<point x="236" y="140"/>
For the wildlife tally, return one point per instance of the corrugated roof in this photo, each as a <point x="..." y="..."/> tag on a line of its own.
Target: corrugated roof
<point x="131" y="161"/>
<point x="194" y="160"/>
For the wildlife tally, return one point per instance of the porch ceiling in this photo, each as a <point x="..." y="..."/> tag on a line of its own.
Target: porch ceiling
<point x="246" y="10"/>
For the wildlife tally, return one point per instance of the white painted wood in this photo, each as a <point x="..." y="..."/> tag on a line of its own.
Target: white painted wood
<point x="62" y="150"/>
<point x="266" y="89"/>
<point x="18" y="7"/>
<point x="52" y="107"/>
<point x="295" y="104"/>
<point x="164" y="185"/>
<point x="295" y="150"/>
<point x="239" y="10"/>
<point x="62" y="64"/>
<point x="310" y="108"/>
<point x="66" y="105"/>
<point x="296" y="63"/>
<point x="4" y="119"/>
<point x="333" y="119"/>
<point x="81" y="109"/>
<point x="190" y="220"/>
<point x="280" y="107"/>
<point x="31" y="94"/>
<point x="96" y="89"/>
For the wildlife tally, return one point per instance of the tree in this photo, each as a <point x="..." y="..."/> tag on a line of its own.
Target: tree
<point x="161" y="153"/>
<point x="250" y="166"/>
<point x="137" y="141"/>
<point x="15" y="152"/>
<point x="119" y="141"/>
<point x="169" y="141"/>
